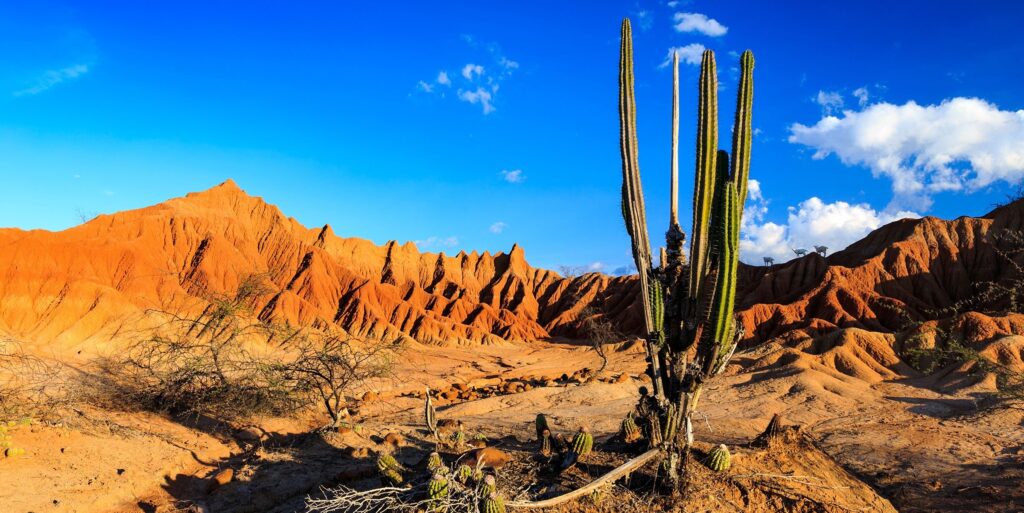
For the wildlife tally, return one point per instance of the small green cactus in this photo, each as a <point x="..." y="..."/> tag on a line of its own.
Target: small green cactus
<point x="493" y="504"/>
<point x="463" y="473"/>
<point x="580" y="447"/>
<point x="458" y="438"/>
<point x="719" y="459"/>
<point x="435" y="464"/>
<point x="487" y="487"/>
<point x="437" y="492"/>
<point x="542" y="426"/>
<point x="630" y="431"/>
<point x="390" y="470"/>
<point x="583" y="442"/>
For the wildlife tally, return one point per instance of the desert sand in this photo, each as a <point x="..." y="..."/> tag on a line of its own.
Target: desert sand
<point x="500" y="341"/>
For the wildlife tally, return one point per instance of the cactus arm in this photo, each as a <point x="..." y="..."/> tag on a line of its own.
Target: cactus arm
<point x="674" y="173"/>
<point x="704" y="175"/>
<point x="632" y="191"/>
<point x="742" y="134"/>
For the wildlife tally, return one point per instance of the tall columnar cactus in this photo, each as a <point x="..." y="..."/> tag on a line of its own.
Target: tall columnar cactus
<point x="688" y="302"/>
<point x="430" y="415"/>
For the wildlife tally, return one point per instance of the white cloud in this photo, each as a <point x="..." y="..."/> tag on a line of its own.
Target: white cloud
<point x="962" y="143"/>
<point x="425" y="87"/>
<point x="831" y="102"/>
<point x="437" y="242"/>
<point x="672" y="4"/>
<point x="442" y="78"/>
<point x="861" y="93"/>
<point x="513" y="176"/>
<point x="689" y="54"/>
<point x="811" y="223"/>
<point x="481" y="96"/>
<point x="471" y="70"/>
<point x="54" y="77"/>
<point x="595" y="267"/>
<point x="507" y="63"/>
<point x="697" y="22"/>
<point x="497" y="227"/>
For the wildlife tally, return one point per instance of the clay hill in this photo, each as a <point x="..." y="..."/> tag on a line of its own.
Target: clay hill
<point x="96" y="281"/>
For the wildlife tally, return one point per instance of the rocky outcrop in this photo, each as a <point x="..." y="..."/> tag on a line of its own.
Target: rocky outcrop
<point x="96" y="282"/>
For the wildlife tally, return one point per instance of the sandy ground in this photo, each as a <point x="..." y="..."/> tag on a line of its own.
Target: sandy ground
<point x="922" y="450"/>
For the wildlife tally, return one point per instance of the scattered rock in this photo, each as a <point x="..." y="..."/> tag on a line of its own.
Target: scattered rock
<point x="487" y="457"/>
<point x="394" y="439"/>
<point x="220" y="479"/>
<point x="370" y="396"/>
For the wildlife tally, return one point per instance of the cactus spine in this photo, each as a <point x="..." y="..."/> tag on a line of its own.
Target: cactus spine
<point x="690" y="302"/>
<point x="719" y="459"/>
<point x="493" y="503"/>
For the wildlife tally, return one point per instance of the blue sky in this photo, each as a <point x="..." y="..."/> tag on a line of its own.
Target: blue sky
<point x="338" y="113"/>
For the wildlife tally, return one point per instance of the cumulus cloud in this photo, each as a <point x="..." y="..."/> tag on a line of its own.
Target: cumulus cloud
<point x="689" y="54"/>
<point x="442" y="78"/>
<point x="811" y="223"/>
<point x="513" y="176"/>
<point x="697" y="22"/>
<point x="471" y="70"/>
<point x="497" y="227"/>
<point x="480" y="95"/>
<point x="959" y="144"/>
<point x="53" y="77"/>
<point x="831" y="102"/>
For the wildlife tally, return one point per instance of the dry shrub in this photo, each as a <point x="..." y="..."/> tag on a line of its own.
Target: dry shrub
<point x="30" y="387"/>
<point x="226" y="363"/>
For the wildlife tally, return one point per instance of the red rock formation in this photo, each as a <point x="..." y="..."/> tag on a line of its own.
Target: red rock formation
<point x="96" y="281"/>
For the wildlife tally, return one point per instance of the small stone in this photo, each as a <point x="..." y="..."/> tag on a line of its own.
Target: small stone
<point x="220" y="479"/>
<point x="370" y="396"/>
<point x="394" y="439"/>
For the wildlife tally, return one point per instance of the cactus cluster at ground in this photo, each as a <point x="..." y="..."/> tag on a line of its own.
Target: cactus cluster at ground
<point x="580" y="447"/>
<point x="390" y="470"/>
<point x="493" y="503"/>
<point x="719" y="459"/>
<point x="437" y="492"/>
<point x="435" y="464"/>
<point x="630" y="431"/>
